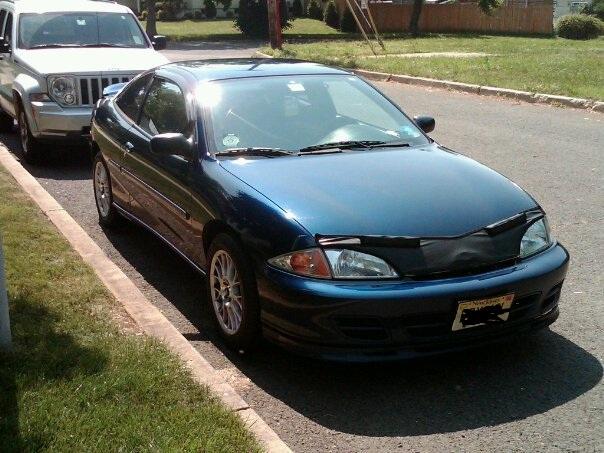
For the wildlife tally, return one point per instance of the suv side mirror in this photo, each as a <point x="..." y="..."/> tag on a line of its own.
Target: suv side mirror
<point x="171" y="145"/>
<point x="425" y="123"/>
<point x="4" y="46"/>
<point x="159" y="42"/>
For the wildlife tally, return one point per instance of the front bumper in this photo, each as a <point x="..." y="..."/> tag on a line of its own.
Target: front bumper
<point x="51" y="121"/>
<point x="364" y="321"/>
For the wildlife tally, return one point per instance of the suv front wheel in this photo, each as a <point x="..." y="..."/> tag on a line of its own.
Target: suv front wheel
<point x="31" y="147"/>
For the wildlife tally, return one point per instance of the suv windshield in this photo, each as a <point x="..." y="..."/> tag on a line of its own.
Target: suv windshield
<point x="80" y="30"/>
<point x="296" y="112"/>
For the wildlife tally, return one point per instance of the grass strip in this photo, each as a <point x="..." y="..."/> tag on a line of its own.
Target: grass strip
<point x="78" y="379"/>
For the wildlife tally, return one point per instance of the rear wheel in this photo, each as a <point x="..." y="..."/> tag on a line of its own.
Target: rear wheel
<point x="103" y="195"/>
<point x="233" y="294"/>
<point x="31" y="147"/>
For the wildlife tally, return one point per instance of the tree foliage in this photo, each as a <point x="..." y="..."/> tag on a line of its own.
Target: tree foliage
<point x="348" y="24"/>
<point x="209" y="8"/>
<point x="331" y="16"/>
<point x="297" y="8"/>
<point x="314" y="10"/>
<point x="252" y="19"/>
<point x="595" y="8"/>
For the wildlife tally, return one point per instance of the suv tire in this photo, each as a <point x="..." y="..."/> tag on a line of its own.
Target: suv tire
<point x="32" y="149"/>
<point x="7" y="122"/>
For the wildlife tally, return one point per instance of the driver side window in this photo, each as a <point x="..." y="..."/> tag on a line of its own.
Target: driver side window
<point x="164" y="110"/>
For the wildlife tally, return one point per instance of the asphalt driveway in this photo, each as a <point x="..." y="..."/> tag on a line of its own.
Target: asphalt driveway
<point x="537" y="393"/>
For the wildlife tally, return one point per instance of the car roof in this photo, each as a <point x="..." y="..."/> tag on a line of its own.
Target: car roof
<point x="243" y="68"/>
<point x="48" y="6"/>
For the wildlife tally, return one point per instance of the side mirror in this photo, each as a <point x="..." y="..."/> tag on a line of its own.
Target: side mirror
<point x="159" y="42"/>
<point x="425" y="123"/>
<point x="171" y="145"/>
<point x="4" y="46"/>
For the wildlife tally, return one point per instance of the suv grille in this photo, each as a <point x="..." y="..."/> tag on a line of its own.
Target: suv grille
<point x="90" y="89"/>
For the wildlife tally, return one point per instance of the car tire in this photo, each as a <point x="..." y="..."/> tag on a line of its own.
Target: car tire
<point x="32" y="149"/>
<point x="232" y="293"/>
<point x="103" y="195"/>
<point x="7" y="123"/>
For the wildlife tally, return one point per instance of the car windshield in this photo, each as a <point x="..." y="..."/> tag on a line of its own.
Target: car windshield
<point x="80" y="30"/>
<point x="296" y="113"/>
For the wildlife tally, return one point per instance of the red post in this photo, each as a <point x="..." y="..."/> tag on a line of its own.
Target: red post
<point x="274" y="24"/>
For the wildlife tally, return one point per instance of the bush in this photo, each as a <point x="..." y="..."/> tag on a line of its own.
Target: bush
<point x="252" y="19"/>
<point x="209" y="8"/>
<point x="314" y="10"/>
<point x="595" y="8"/>
<point x="348" y="24"/>
<point x="144" y="15"/>
<point x="331" y="16"/>
<point x="198" y="14"/>
<point x="579" y="26"/>
<point x="297" y="9"/>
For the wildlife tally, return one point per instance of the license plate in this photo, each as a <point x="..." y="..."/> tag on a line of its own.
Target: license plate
<point x="474" y="313"/>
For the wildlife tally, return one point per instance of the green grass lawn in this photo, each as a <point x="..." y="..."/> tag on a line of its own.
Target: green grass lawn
<point x="189" y="30"/>
<point x="77" y="380"/>
<point x="545" y="65"/>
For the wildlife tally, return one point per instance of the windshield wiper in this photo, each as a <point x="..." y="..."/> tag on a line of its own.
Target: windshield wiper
<point x="105" y="44"/>
<point x="342" y="145"/>
<point x="394" y="144"/>
<point x="265" y="152"/>
<point x="53" y="46"/>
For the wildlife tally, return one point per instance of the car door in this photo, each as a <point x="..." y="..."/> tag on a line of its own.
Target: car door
<point x="111" y="132"/>
<point x="158" y="184"/>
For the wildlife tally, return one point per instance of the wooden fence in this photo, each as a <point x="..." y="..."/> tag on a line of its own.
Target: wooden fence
<point x="465" y="17"/>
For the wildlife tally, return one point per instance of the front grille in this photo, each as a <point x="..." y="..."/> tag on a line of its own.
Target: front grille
<point x="90" y="89"/>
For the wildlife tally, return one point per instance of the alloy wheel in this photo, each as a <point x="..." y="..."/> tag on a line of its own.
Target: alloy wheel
<point x="102" y="189"/>
<point x="226" y="292"/>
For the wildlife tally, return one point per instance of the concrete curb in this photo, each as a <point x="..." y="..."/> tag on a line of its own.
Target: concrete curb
<point x="525" y="96"/>
<point x="143" y="312"/>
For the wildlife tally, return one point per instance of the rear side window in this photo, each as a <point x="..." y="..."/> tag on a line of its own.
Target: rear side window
<point x="165" y="109"/>
<point x="131" y="99"/>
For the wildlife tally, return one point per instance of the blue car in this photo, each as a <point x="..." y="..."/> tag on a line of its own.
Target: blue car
<point x="323" y="217"/>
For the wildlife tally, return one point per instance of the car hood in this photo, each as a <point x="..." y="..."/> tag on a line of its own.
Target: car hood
<point x="417" y="192"/>
<point x="90" y="60"/>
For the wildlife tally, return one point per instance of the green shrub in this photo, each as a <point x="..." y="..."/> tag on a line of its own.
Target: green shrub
<point x="579" y="26"/>
<point x="144" y="15"/>
<point x="160" y="15"/>
<point x="198" y="14"/>
<point x="314" y="10"/>
<point x="348" y="24"/>
<point x="297" y="9"/>
<point x="209" y="8"/>
<point x="252" y="18"/>
<point x="331" y="16"/>
<point x="595" y="8"/>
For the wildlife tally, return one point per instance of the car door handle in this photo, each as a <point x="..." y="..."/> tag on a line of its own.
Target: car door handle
<point x="128" y="147"/>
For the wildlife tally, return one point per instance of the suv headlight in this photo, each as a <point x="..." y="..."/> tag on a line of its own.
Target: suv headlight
<point x="536" y="239"/>
<point x="63" y="90"/>
<point x="334" y="263"/>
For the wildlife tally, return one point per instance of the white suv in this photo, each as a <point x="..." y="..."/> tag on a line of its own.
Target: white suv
<point x="57" y="57"/>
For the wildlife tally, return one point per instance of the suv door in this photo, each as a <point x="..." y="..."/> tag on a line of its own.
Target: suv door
<point x="7" y="69"/>
<point x="158" y="185"/>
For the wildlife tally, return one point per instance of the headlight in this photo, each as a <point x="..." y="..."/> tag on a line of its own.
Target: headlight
<point x="536" y="239"/>
<point x="357" y="265"/>
<point x="338" y="264"/>
<point x="63" y="90"/>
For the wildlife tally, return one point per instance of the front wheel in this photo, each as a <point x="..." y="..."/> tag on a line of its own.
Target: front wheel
<point x="31" y="147"/>
<point x="103" y="195"/>
<point x="233" y="294"/>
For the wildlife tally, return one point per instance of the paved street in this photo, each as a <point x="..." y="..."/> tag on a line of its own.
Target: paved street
<point x="534" y="394"/>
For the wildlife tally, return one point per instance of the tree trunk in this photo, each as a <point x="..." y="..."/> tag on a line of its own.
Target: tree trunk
<point x="151" y="19"/>
<point x="415" y="15"/>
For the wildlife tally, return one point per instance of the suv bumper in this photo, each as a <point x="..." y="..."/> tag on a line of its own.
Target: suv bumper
<point x="50" y="121"/>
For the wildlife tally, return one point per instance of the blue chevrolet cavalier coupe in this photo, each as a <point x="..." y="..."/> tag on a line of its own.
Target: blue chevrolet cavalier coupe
<point x="323" y="216"/>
